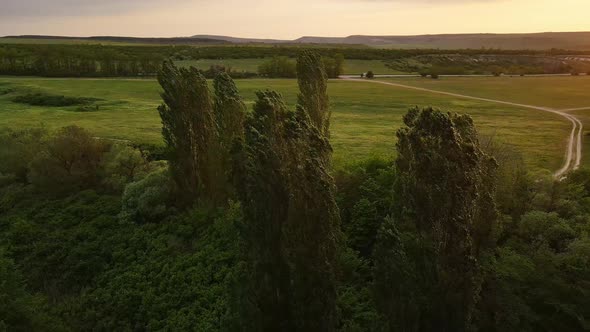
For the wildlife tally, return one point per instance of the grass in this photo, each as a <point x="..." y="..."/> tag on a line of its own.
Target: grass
<point x="559" y="92"/>
<point x="251" y="65"/>
<point x="365" y="116"/>
<point x="551" y="91"/>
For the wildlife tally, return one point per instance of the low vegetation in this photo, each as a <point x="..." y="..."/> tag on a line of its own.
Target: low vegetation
<point x="42" y="99"/>
<point x="489" y="64"/>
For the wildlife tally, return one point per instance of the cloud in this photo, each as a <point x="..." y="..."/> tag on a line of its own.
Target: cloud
<point x="35" y="8"/>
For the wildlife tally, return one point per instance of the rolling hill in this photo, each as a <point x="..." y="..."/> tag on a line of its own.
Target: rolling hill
<point x="117" y="39"/>
<point x="515" y="41"/>
<point x="533" y="41"/>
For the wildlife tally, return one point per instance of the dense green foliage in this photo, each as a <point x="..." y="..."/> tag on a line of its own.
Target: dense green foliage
<point x="453" y="235"/>
<point x="80" y="249"/>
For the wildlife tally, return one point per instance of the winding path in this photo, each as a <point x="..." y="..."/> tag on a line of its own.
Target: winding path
<point x="573" y="153"/>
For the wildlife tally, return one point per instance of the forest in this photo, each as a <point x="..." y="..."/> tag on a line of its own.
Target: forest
<point x="95" y="60"/>
<point x="243" y="223"/>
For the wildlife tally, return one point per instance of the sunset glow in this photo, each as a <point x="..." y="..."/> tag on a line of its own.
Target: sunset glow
<point x="290" y="19"/>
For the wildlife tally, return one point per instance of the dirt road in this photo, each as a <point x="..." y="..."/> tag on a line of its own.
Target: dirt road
<point x="573" y="153"/>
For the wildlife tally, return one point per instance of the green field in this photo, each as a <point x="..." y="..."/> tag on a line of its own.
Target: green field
<point x="365" y="116"/>
<point x="561" y="92"/>
<point x="251" y="65"/>
<point x="549" y="91"/>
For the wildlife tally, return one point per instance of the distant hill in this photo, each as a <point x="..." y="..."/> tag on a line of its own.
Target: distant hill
<point x="514" y="41"/>
<point x="533" y="41"/>
<point x="237" y="40"/>
<point x="127" y="40"/>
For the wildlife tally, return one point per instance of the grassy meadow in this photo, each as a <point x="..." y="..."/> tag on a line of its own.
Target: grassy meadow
<point x="559" y="92"/>
<point x="365" y="116"/>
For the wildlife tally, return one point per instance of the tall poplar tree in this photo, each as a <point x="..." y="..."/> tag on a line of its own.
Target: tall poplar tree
<point x="230" y="113"/>
<point x="264" y="195"/>
<point x="188" y="128"/>
<point x="445" y="195"/>
<point x="291" y="227"/>
<point x="313" y="90"/>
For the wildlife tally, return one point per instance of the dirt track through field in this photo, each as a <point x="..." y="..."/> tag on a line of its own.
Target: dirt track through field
<point x="573" y="153"/>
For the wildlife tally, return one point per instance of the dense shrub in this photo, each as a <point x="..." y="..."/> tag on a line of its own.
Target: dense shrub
<point x="18" y="148"/>
<point x="177" y="276"/>
<point x="19" y="310"/>
<point x="71" y="159"/>
<point x="123" y="164"/>
<point x="43" y="99"/>
<point x="101" y="273"/>
<point x="365" y="197"/>
<point x="149" y="199"/>
<point x="5" y="91"/>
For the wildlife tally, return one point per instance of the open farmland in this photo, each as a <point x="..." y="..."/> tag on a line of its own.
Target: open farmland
<point x="365" y="116"/>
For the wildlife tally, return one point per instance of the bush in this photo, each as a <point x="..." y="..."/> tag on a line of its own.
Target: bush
<point x="434" y="76"/>
<point x="370" y="74"/>
<point x="71" y="160"/>
<point x="172" y="276"/>
<point x="42" y="99"/>
<point x="19" y="310"/>
<point x="149" y="199"/>
<point x="18" y="149"/>
<point x="123" y="164"/>
<point x="6" y="91"/>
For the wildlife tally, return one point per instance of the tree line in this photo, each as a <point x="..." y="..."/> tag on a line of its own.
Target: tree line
<point x="283" y="67"/>
<point x="246" y="225"/>
<point x="80" y="60"/>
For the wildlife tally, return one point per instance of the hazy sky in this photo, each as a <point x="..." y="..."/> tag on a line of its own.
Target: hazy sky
<point x="288" y="18"/>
